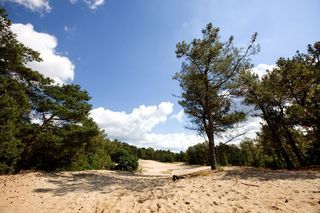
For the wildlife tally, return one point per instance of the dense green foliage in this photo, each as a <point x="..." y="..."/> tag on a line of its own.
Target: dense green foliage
<point x="124" y="160"/>
<point x="44" y="125"/>
<point x="198" y="154"/>
<point x="208" y="72"/>
<point x="288" y="100"/>
<point x="161" y="155"/>
<point x="226" y="155"/>
<point x="150" y="153"/>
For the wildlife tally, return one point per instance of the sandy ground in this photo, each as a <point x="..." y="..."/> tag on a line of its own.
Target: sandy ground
<point x="232" y="189"/>
<point x="150" y="167"/>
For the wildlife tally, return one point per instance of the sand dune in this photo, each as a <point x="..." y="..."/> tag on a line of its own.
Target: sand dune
<point x="232" y="189"/>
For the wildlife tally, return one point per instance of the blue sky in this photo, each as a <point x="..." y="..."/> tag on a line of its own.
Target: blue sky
<point x="122" y="52"/>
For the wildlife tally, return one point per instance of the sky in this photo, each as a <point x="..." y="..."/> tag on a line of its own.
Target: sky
<point x="123" y="54"/>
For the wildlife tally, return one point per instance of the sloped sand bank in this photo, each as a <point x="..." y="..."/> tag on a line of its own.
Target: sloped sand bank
<point x="232" y="189"/>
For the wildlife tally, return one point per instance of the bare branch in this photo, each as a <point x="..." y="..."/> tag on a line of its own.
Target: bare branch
<point x="231" y="139"/>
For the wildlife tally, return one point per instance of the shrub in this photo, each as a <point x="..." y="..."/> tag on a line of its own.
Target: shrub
<point x="124" y="160"/>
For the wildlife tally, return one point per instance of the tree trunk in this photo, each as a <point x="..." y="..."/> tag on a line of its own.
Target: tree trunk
<point x="294" y="148"/>
<point x="289" y="138"/>
<point x="212" y="152"/>
<point x="276" y="137"/>
<point x="285" y="155"/>
<point x="24" y="156"/>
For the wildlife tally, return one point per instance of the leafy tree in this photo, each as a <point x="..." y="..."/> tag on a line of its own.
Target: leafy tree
<point x="62" y="113"/>
<point x="288" y="101"/>
<point x="124" y="160"/>
<point x="95" y="155"/>
<point x="249" y="152"/>
<point x="15" y="80"/>
<point x="181" y="157"/>
<point x="198" y="154"/>
<point x="228" y="155"/>
<point x="42" y="125"/>
<point x="260" y="95"/>
<point x="206" y="78"/>
<point x="299" y="79"/>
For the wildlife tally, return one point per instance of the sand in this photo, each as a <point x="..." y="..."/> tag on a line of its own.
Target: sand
<point x="150" y="167"/>
<point x="231" y="189"/>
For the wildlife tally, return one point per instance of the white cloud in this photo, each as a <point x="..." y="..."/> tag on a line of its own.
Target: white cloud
<point x="261" y="69"/>
<point x="140" y="121"/>
<point x="55" y="66"/>
<point x="249" y="127"/>
<point x="34" y="5"/>
<point x="69" y="29"/>
<point x="172" y="141"/>
<point x="136" y="127"/>
<point x="94" y="4"/>
<point x="179" y="116"/>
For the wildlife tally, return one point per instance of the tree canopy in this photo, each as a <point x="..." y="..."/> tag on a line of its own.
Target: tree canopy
<point x="287" y="99"/>
<point x="208" y="73"/>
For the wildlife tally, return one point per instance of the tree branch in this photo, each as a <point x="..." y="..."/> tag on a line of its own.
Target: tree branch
<point x="234" y="137"/>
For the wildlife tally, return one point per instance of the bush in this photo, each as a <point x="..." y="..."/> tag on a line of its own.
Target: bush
<point x="198" y="154"/>
<point x="124" y="160"/>
<point x="101" y="160"/>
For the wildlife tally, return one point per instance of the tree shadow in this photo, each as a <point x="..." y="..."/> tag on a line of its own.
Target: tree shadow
<point x="95" y="181"/>
<point x="268" y="174"/>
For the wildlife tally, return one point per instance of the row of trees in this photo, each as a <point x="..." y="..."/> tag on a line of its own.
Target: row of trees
<point x="287" y="98"/>
<point x="152" y="154"/>
<point x="42" y="125"/>
<point x="47" y="126"/>
<point x="226" y="154"/>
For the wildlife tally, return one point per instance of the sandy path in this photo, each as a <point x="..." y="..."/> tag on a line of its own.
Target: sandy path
<point x="150" y="167"/>
<point x="232" y="190"/>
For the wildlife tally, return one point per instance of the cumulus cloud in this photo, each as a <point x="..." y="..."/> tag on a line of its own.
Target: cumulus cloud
<point x="136" y="127"/>
<point x="54" y="65"/>
<point x="44" y="6"/>
<point x="132" y="125"/>
<point x="249" y="128"/>
<point x="34" y="5"/>
<point x="172" y="141"/>
<point x="179" y="116"/>
<point x="94" y="4"/>
<point x="261" y="69"/>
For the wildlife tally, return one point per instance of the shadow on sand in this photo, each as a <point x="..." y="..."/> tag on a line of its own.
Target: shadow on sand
<point x="106" y="182"/>
<point x="93" y="181"/>
<point x="269" y="175"/>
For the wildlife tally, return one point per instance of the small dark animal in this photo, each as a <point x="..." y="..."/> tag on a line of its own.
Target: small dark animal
<point x="176" y="177"/>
